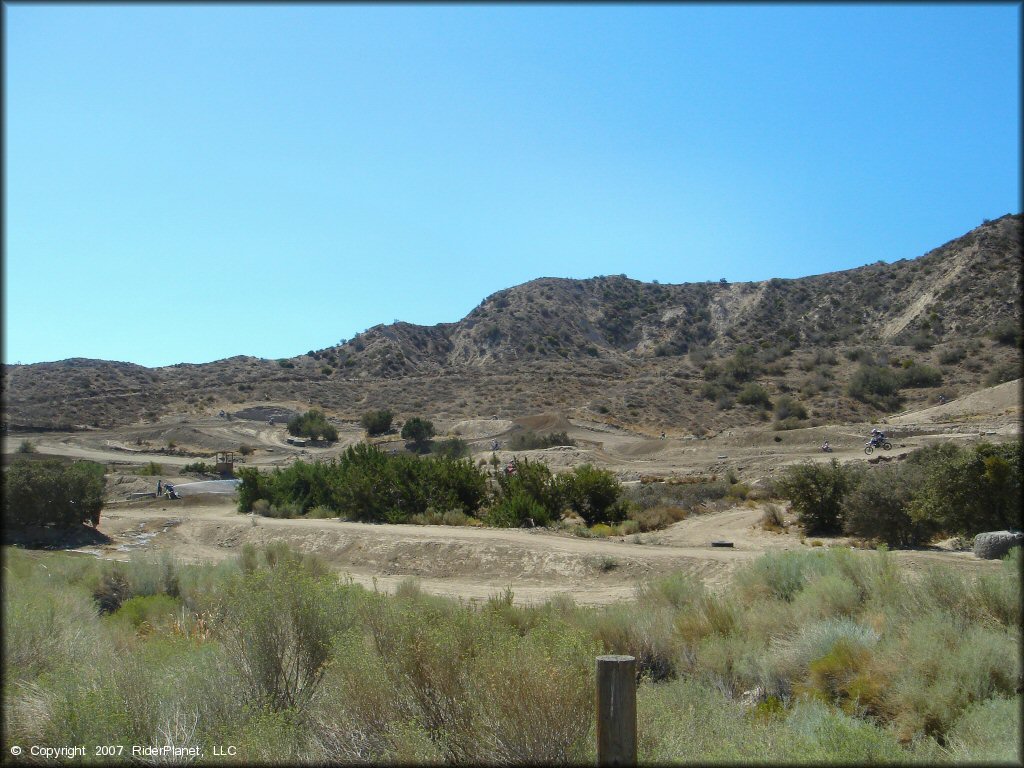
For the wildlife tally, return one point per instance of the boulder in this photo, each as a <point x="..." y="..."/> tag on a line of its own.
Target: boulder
<point x="994" y="544"/>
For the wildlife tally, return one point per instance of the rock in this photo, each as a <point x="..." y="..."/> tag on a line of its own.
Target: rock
<point x="994" y="544"/>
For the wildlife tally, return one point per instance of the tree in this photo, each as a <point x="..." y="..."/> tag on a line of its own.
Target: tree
<point x="817" y="492"/>
<point x="53" y="493"/>
<point x="418" y="431"/>
<point x="377" y="422"/>
<point x="312" y="424"/>
<point x="967" y="491"/>
<point x="593" y="494"/>
<point x="879" y="507"/>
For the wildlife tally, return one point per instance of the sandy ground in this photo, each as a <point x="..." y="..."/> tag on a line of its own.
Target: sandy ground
<point x="475" y="563"/>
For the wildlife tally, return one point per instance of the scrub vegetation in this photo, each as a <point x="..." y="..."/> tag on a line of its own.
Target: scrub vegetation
<point x="831" y="655"/>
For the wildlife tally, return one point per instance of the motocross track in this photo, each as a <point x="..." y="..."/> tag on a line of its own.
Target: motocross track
<point x="475" y="563"/>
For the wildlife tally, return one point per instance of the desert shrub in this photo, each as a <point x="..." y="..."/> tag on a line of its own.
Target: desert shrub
<point x="197" y="467"/>
<point x="593" y="494"/>
<point x="711" y="390"/>
<point x="1007" y="332"/>
<point x="26" y="446"/>
<point x="771" y="518"/>
<point x="654" y="518"/>
<point x="530" y="440"/>
<point x="452" y="448"/>
<point x="878" y="507"/>
<point x="986" y="732"/>
<point x="321" y="512"/>
<point x="145" y="612"/>
<point x="52" y="493"/>
<point x="875" y="385"/>
<point x="246" y="450"/>
<point x="967" y="491"/>
<point x="918" y="375"/>
<point x="535" y="696"/>
<point x="377" y="422"/>
<point x="312" y="424"/>
<point x="816" y="492"/>
<point x="944" y="666"/>
<point x="515" y="510"/>
<point x="278" y="625"/>
<point x="778" y="575"/>
<point x="150" y="469"/>
<point x="787" y="407"/>
<point x="1002" y="373"/>
<point x="646" y="633"/>
<point x="46" y="625"/>
<point x="952" y="355"/>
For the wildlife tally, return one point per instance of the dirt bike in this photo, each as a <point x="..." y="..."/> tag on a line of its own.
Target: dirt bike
<point x="870" y="446"/>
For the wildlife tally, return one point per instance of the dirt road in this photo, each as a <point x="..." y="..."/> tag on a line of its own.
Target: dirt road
<point x="466" y="562"/>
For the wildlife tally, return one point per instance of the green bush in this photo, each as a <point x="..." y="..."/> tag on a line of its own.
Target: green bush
<point x="367" y="484"/>
<point x="534" y="480"/>
<point x="279" y="627"/>
<point x="312" y="424"/>
<point x="787" y="407"/>
<point x="878" y="507"/>
<point x="817" y="492"/>
<point x="377" y="422"/>
<point x="876" y="385"/>
<point x="1003" y="373"/>
<point x="754" y="394"/>
<point x="967" y="491"/>
<point x="51" y="492"/>
<point x="593" y="494"/>
<point x="1007" y="333"/>
<point x="917" y="375"/>
<point x="418" y="431"/>
<point x="452" y="448"/>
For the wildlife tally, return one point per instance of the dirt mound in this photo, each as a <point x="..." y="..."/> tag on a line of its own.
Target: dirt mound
<point x="265" y="412"/>
<point x="1003" y="400"/>
<point x="476" y="429"/>
<point x="545" y="422"/>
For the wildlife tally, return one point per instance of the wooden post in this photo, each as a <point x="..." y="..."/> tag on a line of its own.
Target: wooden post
<point x="616" y="710"/>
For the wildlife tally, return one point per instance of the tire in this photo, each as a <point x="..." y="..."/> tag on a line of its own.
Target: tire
<point x="868" y="450"/>
<point x="887" y="446"/>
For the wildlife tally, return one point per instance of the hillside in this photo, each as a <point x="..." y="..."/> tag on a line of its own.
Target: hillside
<point x="680" y="358"/>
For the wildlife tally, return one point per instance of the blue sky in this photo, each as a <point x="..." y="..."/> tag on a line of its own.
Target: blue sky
<point x="186" y="183"/>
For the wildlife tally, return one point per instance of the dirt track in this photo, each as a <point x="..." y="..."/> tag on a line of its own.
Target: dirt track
<point x="474" y="563"/>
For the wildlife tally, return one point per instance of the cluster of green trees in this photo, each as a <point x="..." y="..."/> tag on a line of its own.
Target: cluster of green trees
<point x="943" y="489"/>
<point x="314" y="425"/>
<point x="51" y="492"/>
<point x="369" y="485"/>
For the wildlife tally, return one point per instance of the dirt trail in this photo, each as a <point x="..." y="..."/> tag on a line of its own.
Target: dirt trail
<point x="465" y="562"/>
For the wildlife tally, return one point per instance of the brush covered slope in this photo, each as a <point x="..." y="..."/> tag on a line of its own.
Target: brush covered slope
<point x="690" y="358"/>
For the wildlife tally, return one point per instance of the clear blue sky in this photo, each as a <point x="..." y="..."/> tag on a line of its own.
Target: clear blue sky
<point x="187" y="183"/>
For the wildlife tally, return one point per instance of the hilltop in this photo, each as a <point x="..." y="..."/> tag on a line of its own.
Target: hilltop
<point x="681" y="358"/>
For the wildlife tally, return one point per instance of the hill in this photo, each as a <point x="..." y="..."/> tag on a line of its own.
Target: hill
<point x="689" y="358"/>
